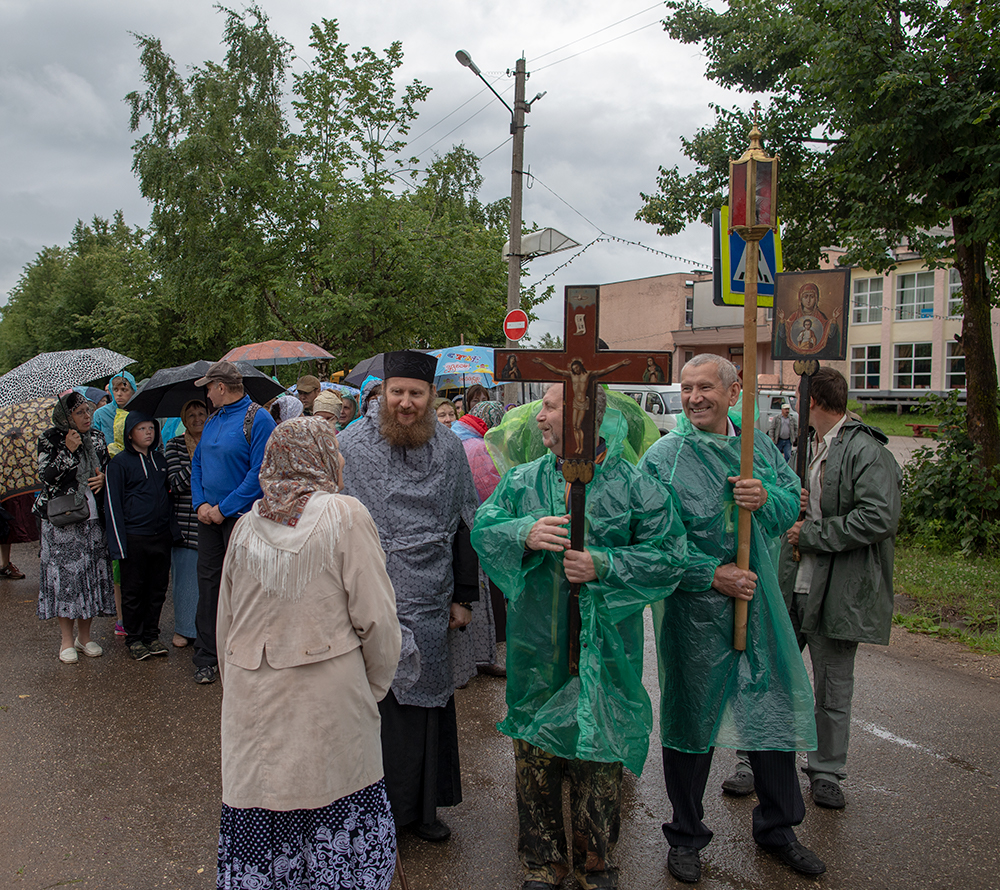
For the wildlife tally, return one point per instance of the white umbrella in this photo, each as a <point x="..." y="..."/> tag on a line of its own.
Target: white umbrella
<point x="53" y="372"/>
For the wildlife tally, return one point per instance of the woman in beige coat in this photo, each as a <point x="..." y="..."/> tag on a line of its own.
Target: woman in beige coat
<point x="309" y="643"/>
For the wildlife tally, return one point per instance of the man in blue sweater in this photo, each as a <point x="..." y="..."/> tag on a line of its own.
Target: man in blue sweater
<point x="224" y="484"/>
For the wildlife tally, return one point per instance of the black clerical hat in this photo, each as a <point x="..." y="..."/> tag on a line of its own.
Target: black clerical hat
<point x="408" y="363"/>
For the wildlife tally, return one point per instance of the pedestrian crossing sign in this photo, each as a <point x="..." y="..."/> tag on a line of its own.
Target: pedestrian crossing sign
<point x="733" y="250"/>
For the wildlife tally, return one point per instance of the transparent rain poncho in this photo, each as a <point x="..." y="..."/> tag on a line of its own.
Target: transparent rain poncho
<point x="711" y="694"/>
<point x="516" y="439"/>
<point x="636" y="538"/>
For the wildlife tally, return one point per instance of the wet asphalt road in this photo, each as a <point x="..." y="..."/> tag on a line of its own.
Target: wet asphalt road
<point x="110" y="777"/>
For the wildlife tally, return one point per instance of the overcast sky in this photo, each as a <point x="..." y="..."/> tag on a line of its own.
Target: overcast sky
<point x="619" y="95"/>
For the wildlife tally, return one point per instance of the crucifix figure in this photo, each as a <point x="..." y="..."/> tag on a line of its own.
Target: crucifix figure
<point x="579" y="367"/>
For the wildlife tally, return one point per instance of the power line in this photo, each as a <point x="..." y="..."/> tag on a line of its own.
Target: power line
<point x="598" y="46"/>
<point x="598" y="31"/>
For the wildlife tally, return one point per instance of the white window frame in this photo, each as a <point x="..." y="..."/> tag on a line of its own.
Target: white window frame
<point x="954" y="366"/>
<point x="911" y="365"/>
<point x="956" y="307"/>
<point x="869" y="359"/>
<point x="914" y="296"/>
<point x="866" y="310"/>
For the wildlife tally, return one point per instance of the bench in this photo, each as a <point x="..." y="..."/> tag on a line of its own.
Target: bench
<point x="920" y="428"/>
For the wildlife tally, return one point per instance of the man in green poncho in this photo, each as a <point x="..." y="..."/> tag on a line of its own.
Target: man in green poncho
<point x="759" y="700"/>
<point x="582" y="727"/>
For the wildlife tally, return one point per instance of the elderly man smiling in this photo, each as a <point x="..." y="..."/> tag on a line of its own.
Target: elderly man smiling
<point x="711" y="694"/>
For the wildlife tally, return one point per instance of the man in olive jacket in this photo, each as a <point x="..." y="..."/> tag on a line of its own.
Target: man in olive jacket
<point x="840" y="592"/>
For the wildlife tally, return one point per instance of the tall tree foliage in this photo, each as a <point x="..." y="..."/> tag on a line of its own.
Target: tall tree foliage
<point x="101" y="289"/>
<point x="316" y="228"/>
<point x="906" y="92"/>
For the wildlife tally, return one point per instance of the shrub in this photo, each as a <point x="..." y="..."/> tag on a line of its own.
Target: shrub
<point x="950" y="502"/>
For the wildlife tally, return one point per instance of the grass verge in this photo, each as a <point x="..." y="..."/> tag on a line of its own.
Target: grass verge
<point x="950" y="597"/>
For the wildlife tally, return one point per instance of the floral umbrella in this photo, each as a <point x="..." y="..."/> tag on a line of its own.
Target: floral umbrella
<point x="460" y="367"/>
<point x="20" y="427"/>
<point x="54" y="372"/>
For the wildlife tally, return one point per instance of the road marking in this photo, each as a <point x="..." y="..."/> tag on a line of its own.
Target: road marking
<point x="886" y="735"/>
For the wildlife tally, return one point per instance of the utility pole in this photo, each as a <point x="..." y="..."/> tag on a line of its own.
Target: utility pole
<point x="516" y="187"/>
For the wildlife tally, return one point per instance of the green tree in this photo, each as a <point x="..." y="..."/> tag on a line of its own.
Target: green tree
<point x="101" y="289"/>
<point x="316" y="228"/>
<point x="549" y="341"/>
<point x="906" y="94"/>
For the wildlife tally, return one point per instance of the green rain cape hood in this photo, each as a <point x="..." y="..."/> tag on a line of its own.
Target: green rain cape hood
<point x="636" y="538"/>
<point x="710" y="694"/>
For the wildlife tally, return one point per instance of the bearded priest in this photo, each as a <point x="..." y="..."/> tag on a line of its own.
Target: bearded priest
<point x="411" y="472"/>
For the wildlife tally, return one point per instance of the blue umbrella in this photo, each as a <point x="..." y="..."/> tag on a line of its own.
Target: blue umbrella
<point x="460" y="367"/>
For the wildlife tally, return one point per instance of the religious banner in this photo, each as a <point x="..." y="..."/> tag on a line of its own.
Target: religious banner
<point x="811" y="310"/>
<point x="580" y="367"/>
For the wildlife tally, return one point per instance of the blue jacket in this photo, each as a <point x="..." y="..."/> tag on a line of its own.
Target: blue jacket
<point x="137" y="493"/>
<point x="225" y="469"/>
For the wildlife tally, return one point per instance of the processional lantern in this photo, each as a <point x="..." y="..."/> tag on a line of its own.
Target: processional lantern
<point x="753" y="202"/>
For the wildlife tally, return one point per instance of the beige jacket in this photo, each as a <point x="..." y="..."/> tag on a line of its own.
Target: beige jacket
<point x="308" y="644"/>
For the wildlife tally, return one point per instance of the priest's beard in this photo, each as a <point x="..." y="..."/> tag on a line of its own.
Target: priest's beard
<point x="414" y="435"/>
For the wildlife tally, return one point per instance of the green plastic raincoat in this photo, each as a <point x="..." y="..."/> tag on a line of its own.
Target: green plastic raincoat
<point x="636" y="538"/>
<point x="711" y="694"/>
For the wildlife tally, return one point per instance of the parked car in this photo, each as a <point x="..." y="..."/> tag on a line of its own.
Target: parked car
<point x="661" y="402"/>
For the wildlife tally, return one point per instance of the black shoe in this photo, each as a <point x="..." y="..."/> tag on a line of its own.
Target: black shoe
<point x="799" y="858"/>
<point x="139" y="651"/>
<point x="206" y="674"/>
<point x="739" y="784"/>
<point x="435" y="831"/>
<point x="155" y="647"/>
<point x="684" y="863"/>
<point x="828" y="794"/>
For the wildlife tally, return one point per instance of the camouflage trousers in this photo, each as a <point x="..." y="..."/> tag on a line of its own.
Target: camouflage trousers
<point x="595" y="793"/>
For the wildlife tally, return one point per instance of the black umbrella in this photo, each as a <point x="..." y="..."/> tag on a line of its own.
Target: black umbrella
<point x="169" y="389"/>
<point x="370" y="367"/>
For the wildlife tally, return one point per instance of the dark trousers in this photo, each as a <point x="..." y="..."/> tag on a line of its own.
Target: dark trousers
<point x="145" y="576"/>
<point x="213" y="540"/>
<point x="775" y="781"/>
<point x="420" y="759"/>
<point x="595" y="795"/>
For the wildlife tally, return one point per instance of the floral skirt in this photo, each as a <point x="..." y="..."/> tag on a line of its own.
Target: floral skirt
<point x="349" y="844"/>
<point x="74" y="572"/>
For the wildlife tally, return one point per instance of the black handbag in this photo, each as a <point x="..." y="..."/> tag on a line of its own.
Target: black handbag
<point x="64" y="510"/>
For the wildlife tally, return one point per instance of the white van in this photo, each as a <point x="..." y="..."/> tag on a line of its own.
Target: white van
<point x="662" y="402"/>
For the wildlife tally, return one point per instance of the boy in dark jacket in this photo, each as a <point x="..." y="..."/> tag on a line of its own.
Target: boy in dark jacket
<point x="141" y="530"/>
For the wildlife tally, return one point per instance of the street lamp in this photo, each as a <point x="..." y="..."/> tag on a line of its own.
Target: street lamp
<point x="516" y="170"/>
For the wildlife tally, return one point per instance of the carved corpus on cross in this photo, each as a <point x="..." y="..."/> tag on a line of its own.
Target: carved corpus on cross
<point x="581" y="367"/>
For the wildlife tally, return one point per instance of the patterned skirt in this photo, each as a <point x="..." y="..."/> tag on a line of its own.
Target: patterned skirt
<point x="74" y="573"/>
<point x="349" y="844"/>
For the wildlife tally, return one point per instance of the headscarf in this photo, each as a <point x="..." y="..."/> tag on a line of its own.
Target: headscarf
<point x="352" y="403"/>
<point x="329" y="401"/>
<point x="489" y="412"/>
<point x="190" y="441"/>
<point x="302" y="457"/>
<point x="289" y="407"/>
<point x="88" y="463"/>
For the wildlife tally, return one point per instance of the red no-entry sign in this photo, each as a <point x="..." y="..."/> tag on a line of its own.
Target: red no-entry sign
<point x="515" y="325"/>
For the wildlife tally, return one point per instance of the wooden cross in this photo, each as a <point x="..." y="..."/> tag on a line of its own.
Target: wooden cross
<point x="580" y="366"/>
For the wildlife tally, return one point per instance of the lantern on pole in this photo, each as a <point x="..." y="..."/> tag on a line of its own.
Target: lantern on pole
<point x="753" y="198"/>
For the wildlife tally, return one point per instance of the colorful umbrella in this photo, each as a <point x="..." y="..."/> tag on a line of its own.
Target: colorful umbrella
<point x="460" y="367"/>
<point x="277" y="352"/>
<point x="20" y="427"/>
<point x="53" y="372"/>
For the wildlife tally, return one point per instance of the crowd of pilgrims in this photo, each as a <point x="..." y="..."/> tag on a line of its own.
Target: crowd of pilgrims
<point x="344" y="564"/>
